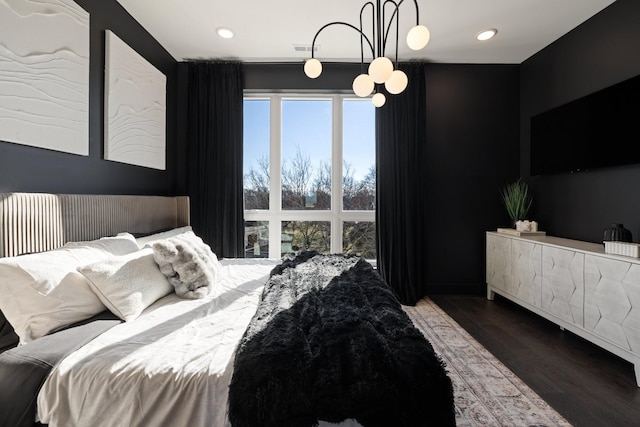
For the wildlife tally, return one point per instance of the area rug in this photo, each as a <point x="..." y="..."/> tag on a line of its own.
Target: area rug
<point x="486" y="392"/>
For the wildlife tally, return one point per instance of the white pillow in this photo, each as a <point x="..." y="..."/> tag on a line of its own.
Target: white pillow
<point x="147" y="240"/>
<point x="42" y="292"/>
<point x="127" y="284"/>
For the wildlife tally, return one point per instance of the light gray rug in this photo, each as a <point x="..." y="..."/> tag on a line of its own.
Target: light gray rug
<point x="486" y="392"/>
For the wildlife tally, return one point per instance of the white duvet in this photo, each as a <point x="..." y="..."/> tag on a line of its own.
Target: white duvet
<point x="169" y="367"/>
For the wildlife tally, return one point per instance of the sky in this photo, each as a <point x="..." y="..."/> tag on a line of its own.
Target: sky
<point x="307" y="124"/>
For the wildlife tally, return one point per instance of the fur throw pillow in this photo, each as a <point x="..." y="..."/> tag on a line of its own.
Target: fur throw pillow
<point x="189" y="264"/>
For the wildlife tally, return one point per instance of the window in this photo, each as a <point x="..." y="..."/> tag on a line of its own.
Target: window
<point x="309" y="175"/>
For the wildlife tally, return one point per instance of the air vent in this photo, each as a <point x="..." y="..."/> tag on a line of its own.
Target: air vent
<point x="305" y="48"/>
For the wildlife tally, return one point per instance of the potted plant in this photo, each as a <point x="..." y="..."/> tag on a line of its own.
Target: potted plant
<point x="517" y="200"/>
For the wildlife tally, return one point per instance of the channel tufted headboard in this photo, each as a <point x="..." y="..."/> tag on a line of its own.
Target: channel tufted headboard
<point x="35" y="222"/>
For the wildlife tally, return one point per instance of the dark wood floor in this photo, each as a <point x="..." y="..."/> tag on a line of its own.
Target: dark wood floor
<point x="587" y="385"/>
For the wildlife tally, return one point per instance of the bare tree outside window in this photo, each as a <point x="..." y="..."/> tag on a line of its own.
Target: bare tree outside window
<point x="257" y="135"/>
<point x="304" y="186"/>
<point x="322" y="185"/>
<point x="256" y="185"/>
<point x="306" y="235"/>
<point x="359" y="195"/>
<point x="299" y="179"/>
<point x="359" y="238"/>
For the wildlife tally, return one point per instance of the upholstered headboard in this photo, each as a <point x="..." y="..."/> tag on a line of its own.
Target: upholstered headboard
<point x="34" y="222"/>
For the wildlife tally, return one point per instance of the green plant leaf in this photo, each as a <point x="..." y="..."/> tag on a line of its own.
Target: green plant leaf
<point x="516" y="199"/>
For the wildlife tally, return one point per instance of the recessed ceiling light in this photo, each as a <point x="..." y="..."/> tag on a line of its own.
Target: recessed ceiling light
<point x="486" y="34"/>
<point x="225" y="33"/>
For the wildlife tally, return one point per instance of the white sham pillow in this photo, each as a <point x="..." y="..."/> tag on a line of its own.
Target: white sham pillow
<point x="147" y="240"/>
<point x="42" y="292"/>
<point x="127" y="284"/>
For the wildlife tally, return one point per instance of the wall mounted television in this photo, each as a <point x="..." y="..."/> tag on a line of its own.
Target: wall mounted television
<point x="596" y="131"/>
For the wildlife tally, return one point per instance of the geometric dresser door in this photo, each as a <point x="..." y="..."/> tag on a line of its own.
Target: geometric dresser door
<point x="526" y="259"/>
<point x="499" y="262"/>
<point x="612" y="301"/>
<point x="563" y="284"/>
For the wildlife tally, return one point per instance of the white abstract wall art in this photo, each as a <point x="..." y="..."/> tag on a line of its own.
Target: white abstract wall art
<point x="135" y="110"/>
<point x="44" y="74"/>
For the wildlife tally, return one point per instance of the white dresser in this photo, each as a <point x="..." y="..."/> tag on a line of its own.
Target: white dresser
<point x="573" y="284"/>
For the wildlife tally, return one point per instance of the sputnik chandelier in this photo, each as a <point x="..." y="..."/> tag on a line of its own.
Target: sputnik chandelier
<point x="381" y="69"/>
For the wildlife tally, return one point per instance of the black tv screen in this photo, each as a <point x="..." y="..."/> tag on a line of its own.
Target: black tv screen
<point x="597" y="131"/>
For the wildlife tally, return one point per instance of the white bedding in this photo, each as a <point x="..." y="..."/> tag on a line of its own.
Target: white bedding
<point x="151" y="371"/>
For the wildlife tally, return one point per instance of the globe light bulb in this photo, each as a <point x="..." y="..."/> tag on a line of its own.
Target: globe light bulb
<point x="418" y="37"/>
<point x="379" y="99"/>
<point x="312" y="68"/>
<point x="380" y="69"/>
<point x="363" y="85"/>
<point x="397" y="82"/>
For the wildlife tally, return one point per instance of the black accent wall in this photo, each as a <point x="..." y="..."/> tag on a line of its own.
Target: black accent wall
<point x="599" y="53"/>
<point x="31" y="169"/>
<point x="472" y="151"/>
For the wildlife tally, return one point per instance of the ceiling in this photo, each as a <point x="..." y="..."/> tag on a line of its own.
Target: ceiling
<point x="268" y="31"/>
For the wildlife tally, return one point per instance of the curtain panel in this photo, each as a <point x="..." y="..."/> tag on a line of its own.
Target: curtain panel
<point x="214" y="154"/>
<point x="401" y="175"/>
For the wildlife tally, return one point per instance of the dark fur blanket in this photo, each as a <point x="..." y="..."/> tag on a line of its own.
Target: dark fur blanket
<point x="330" y="341"/>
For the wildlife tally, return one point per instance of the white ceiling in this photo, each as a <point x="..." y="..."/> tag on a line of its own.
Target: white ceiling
<point x="266" y="31"/>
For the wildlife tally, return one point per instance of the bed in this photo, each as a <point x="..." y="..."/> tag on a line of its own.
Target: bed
<point x="109" y="339"/>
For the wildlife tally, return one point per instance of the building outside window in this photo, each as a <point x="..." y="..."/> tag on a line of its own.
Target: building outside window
<point x="309" y="175"/>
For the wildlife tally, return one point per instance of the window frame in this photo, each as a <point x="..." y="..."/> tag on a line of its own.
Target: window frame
<point x="275" y="215"/>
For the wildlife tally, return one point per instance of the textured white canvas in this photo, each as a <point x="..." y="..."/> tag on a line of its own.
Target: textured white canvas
<point x="44" y="64"/>
<point x="135" y="110"/>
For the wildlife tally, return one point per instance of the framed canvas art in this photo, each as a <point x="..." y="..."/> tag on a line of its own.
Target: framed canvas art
<point x="135" y="110"/>
<point x="44" y="64"/>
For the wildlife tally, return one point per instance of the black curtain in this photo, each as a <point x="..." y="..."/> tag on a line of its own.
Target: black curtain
<point x="214" y="138"/>
<point x="401" y="175"/>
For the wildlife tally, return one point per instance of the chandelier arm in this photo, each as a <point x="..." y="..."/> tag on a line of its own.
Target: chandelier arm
<point x="415" y="2"/>
<point x="348" y="25"/>
<point x="417" y="11"/>
<point x="378" y="31"/>
<point x="361" y="45"/>
<point x="396" y="15"/>
<point x="397" y="33"/>
<point x="362" y="33"/>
